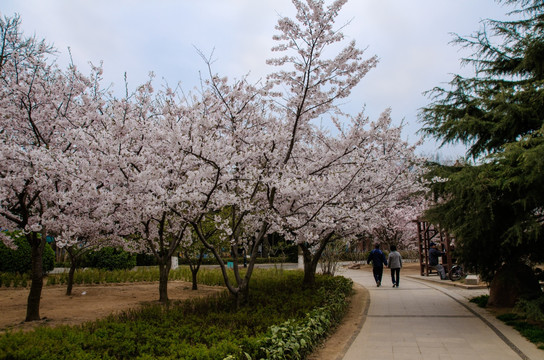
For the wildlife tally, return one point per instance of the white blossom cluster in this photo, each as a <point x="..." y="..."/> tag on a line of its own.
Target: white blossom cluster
<point x="227" y="164"/>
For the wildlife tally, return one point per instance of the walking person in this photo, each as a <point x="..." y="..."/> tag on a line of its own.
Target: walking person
<point x="394" y="261"/>
<point x="378" y="260"/>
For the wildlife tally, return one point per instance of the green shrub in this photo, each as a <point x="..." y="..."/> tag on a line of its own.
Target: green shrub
<point x="48" y="260"/>
<point x="20" y="260"/>
<point x="110" y="258"/>
<point x="205" y="276"/>
<point x="62" y="264"/>
<point x="7" y="279"/>
<point x="260" y="260"/>
<point x="146" y="260"/>
<point x="294" y="339"/>
<point x="532" y="309"/>
<point x="206" y="328"/>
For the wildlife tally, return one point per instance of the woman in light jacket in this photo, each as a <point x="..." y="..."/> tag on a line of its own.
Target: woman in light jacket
<point x="394" y="262"/>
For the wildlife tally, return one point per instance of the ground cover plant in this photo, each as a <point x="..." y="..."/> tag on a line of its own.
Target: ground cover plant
<point x="533" y="331"/>
<point x="481" y="300"/>
<point x="527" y="317"/>
<point x="278" y="309"/>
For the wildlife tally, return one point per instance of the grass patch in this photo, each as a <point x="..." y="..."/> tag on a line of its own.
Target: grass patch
<point x="481" y="300"/>
<point x="207" y="328"/>
<point x="533" y="331"/>
<point x="526" y="317"/>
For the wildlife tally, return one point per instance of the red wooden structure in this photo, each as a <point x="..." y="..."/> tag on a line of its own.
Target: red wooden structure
<point x="427" y="232"/>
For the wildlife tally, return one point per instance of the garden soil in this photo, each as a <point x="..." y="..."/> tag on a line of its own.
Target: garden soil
<point x="91" y="302"/>
<point x="88" y="302"/>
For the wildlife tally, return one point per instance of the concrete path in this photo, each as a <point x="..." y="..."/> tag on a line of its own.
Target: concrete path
<point x="429" y="321"/>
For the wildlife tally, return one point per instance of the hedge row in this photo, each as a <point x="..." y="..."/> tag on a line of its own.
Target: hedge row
<point x="258" y="260"/>
<point x="101" y="276"/>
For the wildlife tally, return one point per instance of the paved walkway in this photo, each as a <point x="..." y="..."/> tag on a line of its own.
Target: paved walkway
<point x="425" y="320"/>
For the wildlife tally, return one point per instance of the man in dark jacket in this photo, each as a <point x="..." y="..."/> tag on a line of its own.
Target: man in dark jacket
<point x="434" y="254"/>
<point x="378" y="260"/>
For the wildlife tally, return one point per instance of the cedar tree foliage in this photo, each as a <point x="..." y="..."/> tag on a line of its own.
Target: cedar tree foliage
<point x="493" y="203"/>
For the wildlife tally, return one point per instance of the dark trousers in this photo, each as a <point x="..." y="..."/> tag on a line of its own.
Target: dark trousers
<point x="395" y="276"/>
<point x="378" y="272"/>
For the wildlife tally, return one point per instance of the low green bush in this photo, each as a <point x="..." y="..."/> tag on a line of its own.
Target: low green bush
<point x="208" y="328"/>
<point x="295" y="339"/>
<point x="100" y="276"/>
<point x="532" y="309"/>
<point x="409" y="254"/>
<point x="110" y="258"/>
<point x="146" y="260"/>
<point x="140" y="274"/>
<point x="259" y="260"/>
<point x="20" y="260"/>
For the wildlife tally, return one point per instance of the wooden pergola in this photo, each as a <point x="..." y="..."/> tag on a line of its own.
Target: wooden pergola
<point x="427" y="233"/>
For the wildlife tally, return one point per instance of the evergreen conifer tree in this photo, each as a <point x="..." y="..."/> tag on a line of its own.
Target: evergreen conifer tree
<point x="494" y="203"/>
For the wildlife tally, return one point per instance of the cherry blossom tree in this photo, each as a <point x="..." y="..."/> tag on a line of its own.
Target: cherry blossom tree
<point x="246" y="157"/>
<point x="44" y="110"/>
<point x="80" y="216"/>
<point x="237" y="163"/>
<point x="285" y="174"/>
<point x="397" y="226"/>
<point x="373" y="166"/>
<point x="330" y="186"/>
<point x="144" y="172"/>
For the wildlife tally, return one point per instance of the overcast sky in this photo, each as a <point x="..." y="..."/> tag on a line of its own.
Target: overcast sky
<point x="410" y="37"/>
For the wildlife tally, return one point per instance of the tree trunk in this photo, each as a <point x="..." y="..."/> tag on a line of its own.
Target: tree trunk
<point x="33" y="304"/>
<point x="266" y="247"/>
<point x="310" y="268"/>
<point x="195" y="267"/>
<point x="244" y="292"/>
<point x="164" y="270"/>
<point x="512" y="282"/>
<point x="311" y="261"/>
<point x="241" y="292"/>
<point x="71" y="273"/>
<point x="194" y="272"/>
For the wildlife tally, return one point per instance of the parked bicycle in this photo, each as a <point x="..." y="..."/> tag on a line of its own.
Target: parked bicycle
<point x="456" y="273"/>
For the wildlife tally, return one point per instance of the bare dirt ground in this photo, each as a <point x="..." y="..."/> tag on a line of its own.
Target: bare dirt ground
<point x="91" y="302"/>
<point x="87" y="302"/>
